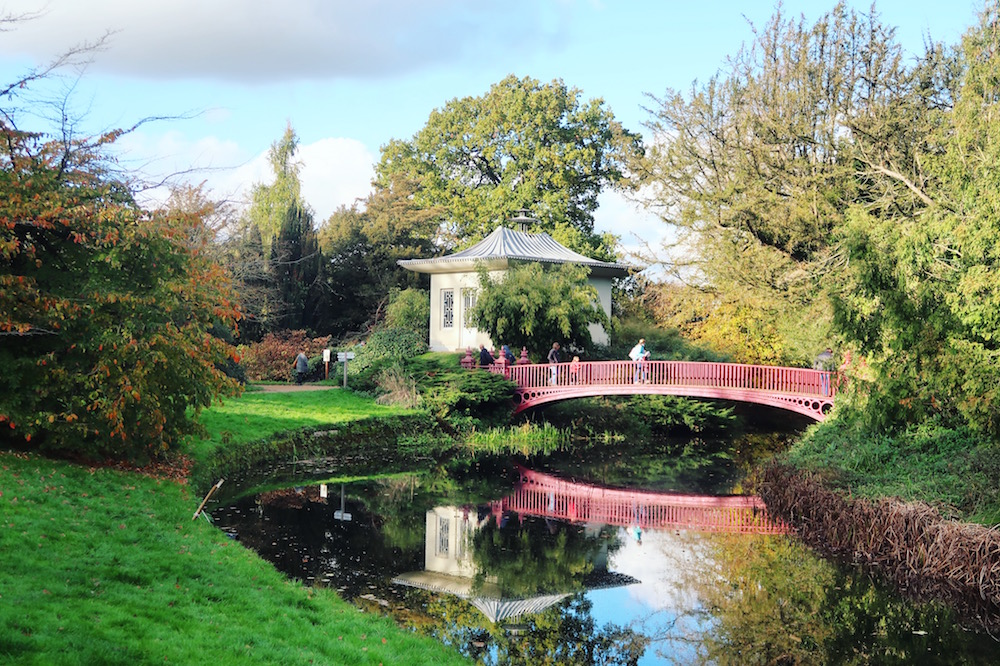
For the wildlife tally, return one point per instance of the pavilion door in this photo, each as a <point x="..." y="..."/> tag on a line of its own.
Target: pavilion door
<point x="469" y="333"/>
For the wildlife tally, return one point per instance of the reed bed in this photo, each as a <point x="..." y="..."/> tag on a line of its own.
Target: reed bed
<point x="910" y="544"/>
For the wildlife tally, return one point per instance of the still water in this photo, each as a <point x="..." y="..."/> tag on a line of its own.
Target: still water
<point x="643" y="556"/>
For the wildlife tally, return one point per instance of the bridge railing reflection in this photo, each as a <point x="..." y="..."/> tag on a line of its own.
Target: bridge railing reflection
<point x="546" y="496"/>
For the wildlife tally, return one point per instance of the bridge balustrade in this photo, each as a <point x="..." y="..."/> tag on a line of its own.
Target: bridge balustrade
<point x="803" y="390"/>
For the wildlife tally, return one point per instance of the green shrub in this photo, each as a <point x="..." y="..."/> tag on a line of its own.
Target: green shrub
<point x="409" y="310"/>
<point x="476" y="394"/>
<point x="382" y="350"/>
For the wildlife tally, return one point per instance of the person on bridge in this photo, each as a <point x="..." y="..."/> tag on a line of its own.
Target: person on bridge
<point x="555" y="358"/>
<point x="507" y="354"/>
<point x="824" y="361"/>
<point x="638" y="355"/>
<point x="574" y="370"/>
<point x="485" y="357"/>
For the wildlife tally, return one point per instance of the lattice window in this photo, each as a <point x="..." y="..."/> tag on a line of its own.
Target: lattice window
<point x="447" y="308"/>
<point x="444" y="530"/>
<point x="468" y="302"/>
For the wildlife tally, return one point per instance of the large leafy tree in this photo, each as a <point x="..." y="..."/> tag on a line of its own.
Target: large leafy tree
<point x="522" y="145"/>
<point x="105" y="308"/>
<point x="756" y="167"/>
<point x="532" y="306"/>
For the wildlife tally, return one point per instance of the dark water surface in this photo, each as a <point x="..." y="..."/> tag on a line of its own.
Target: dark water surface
<point x="573" y="557"/>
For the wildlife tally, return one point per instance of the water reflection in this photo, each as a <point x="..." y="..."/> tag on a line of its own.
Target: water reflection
<point x="511" y="565"/>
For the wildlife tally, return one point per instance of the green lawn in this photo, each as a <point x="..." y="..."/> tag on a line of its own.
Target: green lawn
<point x="257" y="415"/>
<point x="107" y="567"/>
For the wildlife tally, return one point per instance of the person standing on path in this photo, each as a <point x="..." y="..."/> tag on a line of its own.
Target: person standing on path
<point x="301" y="367"/>
<point x="554" y="359"/>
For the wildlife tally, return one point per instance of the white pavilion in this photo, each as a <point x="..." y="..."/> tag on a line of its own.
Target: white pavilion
<point x="455" y="282"/>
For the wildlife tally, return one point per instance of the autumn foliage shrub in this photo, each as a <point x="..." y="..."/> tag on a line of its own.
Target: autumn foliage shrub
<point x="106" y="309"/>
<point x="272" y="359"/>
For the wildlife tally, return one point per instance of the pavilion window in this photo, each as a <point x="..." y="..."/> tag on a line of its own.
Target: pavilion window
<point x="444" y="534"/>
<point x="468" y="302"/>
<point x="447" y="308"/>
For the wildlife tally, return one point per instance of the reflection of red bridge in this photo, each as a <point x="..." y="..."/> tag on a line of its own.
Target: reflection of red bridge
<point x="801" y="390"/>
<point x="548" y="496"/>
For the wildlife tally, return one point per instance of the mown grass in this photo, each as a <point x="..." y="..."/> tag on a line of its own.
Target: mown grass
<point x="258" y="415"/>
<point x="107" y="567"/>
<point x="953" y="470"/>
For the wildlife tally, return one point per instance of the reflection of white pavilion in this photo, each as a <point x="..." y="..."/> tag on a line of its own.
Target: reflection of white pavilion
<point x="449" y="569"/>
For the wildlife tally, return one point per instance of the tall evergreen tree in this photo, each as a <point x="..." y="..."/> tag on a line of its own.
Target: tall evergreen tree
<point x="287" y="290"/>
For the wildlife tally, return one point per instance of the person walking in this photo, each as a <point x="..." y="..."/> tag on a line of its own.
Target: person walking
<point x="485" y="357"/>
<point x="508" y="354"/>
<point x="554" y="359"/>
<point x="638" y="356"/>
<point x="301" y="367"/>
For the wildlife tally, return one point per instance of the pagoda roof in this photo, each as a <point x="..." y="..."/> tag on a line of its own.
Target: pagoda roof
<point x="504" y="245"/>
<point x="492" y="604"/>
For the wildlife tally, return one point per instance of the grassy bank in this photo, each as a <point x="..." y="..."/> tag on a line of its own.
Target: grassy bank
<point x="259" y="415"/>
<point x="106" y="567"/>
<point x="955" y="471"/>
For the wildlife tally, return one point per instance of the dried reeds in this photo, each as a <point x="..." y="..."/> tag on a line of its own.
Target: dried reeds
<point x="910" y="544"/>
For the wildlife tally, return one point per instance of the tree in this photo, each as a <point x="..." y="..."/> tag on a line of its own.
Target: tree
<point x="269" y="204"/>
<point x="756" y="168"/>
<point x="105" y="309"/>
<point x="296" y="266"/>
<point x="533" y="306"/>
<point x="368" y="243"/>
<point x="275" y="256"/>
<point x="522" y="145"/>
<point x="921" y="294"/>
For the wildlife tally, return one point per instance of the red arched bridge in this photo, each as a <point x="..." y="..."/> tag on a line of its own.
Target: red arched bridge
<point x="547" y="496"/>
<point x="801" y="390"/>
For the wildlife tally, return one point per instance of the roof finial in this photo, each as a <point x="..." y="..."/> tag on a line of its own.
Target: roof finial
<point x="524" y="220"/>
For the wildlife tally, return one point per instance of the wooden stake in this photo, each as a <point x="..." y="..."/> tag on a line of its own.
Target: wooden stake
<point x="205" y="501"/>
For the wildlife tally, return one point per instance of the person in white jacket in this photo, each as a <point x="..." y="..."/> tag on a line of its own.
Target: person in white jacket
<point x="638" y="355"/>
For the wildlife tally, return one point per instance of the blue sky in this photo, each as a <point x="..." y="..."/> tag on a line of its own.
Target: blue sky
<point x="350" y="75"/>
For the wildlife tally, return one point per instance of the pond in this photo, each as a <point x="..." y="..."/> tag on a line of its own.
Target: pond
<point x="606" y="552"/>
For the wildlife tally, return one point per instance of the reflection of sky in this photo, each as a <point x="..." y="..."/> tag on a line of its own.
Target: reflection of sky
<point x="663" y="601"/>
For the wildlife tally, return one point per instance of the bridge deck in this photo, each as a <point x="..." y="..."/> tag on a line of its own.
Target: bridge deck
<point x="802" y="390"/>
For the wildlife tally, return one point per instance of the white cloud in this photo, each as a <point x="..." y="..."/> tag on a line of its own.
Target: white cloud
<point x="265" y="41"/>
<point x="334" y="171"/>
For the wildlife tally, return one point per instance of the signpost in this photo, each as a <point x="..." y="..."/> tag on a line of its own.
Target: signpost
<point x="342" y="514"/>
<point x="344" y="357"/>
<point x="326" y="363"/>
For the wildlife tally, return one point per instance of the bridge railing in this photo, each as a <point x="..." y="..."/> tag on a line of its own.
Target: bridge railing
<point x="772" y="379"/>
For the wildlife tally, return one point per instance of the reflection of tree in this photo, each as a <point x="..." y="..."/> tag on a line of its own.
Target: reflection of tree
<point x="400" y="502"/>
<point x="534" y="557"/>
<point x="688" y="465"/>
<point x="562" y="634"/>
<point x="769" y="600"/>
